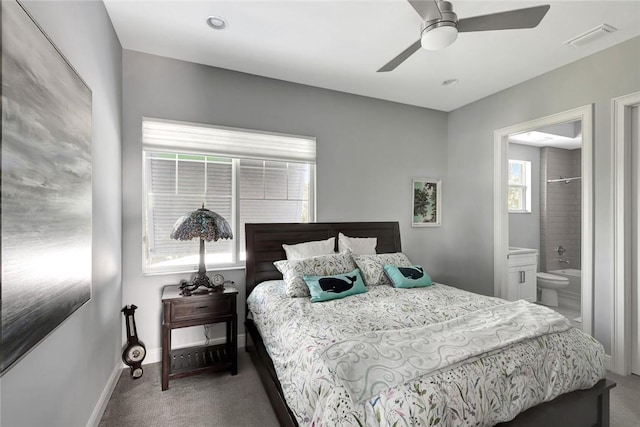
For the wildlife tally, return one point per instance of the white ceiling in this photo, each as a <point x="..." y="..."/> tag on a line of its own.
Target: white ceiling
<point x="563" y="135"/>
<point x="542" y="139"/>
<point x="339" y="45"/>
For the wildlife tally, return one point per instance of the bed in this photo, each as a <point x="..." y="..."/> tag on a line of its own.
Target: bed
<point x="583" y="407"/>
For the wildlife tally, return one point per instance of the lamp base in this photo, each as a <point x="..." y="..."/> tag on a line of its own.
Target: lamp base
<point x="201" y="279"/>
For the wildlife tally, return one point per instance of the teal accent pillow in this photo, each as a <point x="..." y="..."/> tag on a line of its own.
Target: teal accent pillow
<point x="325" y="288"/>
<point x="408" y="277"/>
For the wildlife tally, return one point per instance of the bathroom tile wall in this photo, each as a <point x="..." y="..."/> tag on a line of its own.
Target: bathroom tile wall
<point x="560" y="209"/>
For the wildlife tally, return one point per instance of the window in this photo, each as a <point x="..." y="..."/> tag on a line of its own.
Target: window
<point x="244" y="176"/>
<point x="519" y="197"/>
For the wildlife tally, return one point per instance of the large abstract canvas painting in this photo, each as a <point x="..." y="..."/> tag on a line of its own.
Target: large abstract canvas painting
<point x="46" y="186"/>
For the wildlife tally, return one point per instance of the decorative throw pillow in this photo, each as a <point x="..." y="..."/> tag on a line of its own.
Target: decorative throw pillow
<point x="408" y="277"/>
<point x="325" y="288"/>
<point x="309" y="249"/>
<point x="371" y="266"/>
<point x="357" y="245"/>
<point x="325" y="265"/>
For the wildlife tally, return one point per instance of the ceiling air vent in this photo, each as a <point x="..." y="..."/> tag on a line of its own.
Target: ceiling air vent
<point x="591" y="35"/>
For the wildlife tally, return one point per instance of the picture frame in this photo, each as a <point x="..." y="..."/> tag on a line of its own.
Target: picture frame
<point x="46" y="186"/>
<point x="426" y="202"/>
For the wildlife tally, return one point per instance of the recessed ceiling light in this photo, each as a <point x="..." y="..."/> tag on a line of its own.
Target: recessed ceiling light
<point x="217" y="22"/>
<point x="450" y="82"/>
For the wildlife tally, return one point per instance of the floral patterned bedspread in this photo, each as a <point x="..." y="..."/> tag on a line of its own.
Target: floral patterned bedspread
<point x="487" y="390"/>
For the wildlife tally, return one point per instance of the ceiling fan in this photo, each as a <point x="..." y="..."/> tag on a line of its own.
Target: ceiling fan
<point x="441" y="25"/>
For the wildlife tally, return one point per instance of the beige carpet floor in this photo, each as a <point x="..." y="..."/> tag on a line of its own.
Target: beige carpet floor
<point x="625" y="401"/>
<point x="222" y="400"/>
<point x="205" y="400"/>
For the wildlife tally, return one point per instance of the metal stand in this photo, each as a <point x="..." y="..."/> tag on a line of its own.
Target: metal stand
<point x="201" y="278"/>
<point x="186" y="288"/>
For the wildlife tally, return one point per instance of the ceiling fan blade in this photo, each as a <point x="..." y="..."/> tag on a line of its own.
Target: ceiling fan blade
<point x="427" y="9"/>
<point x="511" y="20"/>
<point x="391" y="65"/>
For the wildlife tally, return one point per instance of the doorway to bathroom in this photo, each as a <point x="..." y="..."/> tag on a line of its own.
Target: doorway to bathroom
<point x="545" y="211"/>
<point x="543" y="206"/>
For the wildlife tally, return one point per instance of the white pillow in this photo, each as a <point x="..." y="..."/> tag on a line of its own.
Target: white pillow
<point x="372" y="266"/>
<point x="293" y="271"/>
<point x="310" y="249"/>
<point x="358" y="245"/>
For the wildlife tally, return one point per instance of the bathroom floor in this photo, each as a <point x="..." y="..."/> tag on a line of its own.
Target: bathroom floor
<point x="571" y="314"/>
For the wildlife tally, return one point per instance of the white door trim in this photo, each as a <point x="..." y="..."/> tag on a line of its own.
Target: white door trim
<point x="501" y="213"/>
<point x="621" y="328"/>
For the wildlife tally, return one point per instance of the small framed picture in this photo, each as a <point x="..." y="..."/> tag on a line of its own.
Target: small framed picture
<point x="427" y="202"/>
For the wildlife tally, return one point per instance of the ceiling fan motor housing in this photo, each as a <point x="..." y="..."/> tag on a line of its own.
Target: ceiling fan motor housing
<point x="447" y="18"/>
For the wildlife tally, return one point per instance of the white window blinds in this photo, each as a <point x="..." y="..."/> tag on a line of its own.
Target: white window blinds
<point x="273" y="192"/>
<point x="241" y="188"/>
<point x="178" y="184"/>
<point x="166" y="135"/>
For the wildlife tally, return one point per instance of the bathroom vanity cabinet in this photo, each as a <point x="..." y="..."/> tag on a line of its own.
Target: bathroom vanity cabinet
<point x="522" y="266"/>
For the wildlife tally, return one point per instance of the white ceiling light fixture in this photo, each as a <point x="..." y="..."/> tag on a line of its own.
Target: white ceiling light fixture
<point x="450" y="82"/>
<point x="217" y="22"/>
<point x="591" y="35"/>
<point x="439" y="37"/>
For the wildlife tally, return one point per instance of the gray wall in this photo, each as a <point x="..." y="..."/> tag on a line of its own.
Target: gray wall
<point x="468" y="197"/>
<point x="60" y="381"/>
<point x="367" y="152"/>
<point x="524" y="228"/>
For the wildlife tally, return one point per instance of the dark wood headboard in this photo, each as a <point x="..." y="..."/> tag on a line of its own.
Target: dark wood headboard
<point x="264" y="242"/>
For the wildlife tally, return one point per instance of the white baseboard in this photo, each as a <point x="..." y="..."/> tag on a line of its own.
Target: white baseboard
<point x="101" y="405"/>
<point x="154" y="355"/>
<point x="608" y="362"/>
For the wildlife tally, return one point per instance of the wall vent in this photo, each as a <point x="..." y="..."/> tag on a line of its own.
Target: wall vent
<point x="591" y="35"/>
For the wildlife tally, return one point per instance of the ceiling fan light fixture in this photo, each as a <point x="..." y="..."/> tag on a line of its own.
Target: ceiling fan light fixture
<point x="440" y="26"/>
<point x="439" y="37"/>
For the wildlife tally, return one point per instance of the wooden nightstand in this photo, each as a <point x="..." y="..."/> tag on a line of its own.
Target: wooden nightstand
<point x="194" y="310"/>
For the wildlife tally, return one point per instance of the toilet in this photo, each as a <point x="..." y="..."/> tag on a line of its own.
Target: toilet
<point x="549" y="284"/>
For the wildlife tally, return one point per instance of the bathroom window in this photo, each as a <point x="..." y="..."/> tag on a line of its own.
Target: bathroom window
<point x="519" y="198"/>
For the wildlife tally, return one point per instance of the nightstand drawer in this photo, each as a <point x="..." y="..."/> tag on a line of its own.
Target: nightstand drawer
<point x="200" y="309"/>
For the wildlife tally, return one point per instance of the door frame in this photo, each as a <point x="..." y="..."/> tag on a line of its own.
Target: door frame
<point x="501" y="211"/>
<point x="621" y="326"/>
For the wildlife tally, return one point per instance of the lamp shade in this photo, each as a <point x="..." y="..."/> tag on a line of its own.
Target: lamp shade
<point x="201" y="224"/>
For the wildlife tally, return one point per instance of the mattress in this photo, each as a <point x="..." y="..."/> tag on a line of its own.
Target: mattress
<point x="484" y="390"/>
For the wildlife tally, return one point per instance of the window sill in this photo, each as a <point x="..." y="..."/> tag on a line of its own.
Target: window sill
<point x="519" y="212"/>
<point x="188" y="270"/>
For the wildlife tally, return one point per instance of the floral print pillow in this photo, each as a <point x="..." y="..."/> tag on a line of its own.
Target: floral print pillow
<point x="372" y="266"/>
<point x="324" y="265"/>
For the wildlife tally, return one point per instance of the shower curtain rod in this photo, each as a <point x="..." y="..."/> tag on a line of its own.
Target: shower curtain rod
<point x="565" y="180"/>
